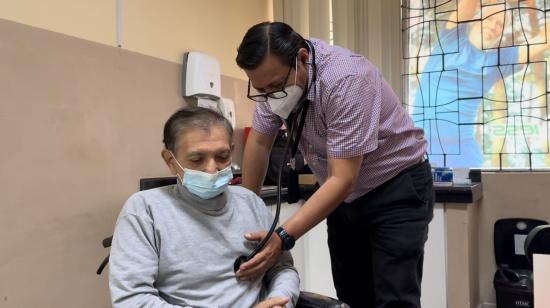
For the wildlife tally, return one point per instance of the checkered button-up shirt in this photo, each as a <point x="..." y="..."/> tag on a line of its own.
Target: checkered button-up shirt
<point x="354" y="112"/>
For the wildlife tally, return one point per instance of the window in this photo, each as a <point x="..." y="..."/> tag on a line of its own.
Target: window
<point x="476" y="81"/>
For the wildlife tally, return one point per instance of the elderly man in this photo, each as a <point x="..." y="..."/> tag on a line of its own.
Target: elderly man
<point x="175" y="246"/>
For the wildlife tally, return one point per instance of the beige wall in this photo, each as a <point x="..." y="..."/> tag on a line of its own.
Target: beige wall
<point x="80" y="123"/>
<point x="92" y="20"/>
<point x="163" y="29"/>
<point x="212" y="26"/>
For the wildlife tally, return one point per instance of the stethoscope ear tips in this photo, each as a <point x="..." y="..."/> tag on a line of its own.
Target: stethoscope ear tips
<point x="240" y="260"/>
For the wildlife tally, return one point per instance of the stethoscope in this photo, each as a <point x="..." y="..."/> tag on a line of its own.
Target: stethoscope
<point x="296" y="119"/>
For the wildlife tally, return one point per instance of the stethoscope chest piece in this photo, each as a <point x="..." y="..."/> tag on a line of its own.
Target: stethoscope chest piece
<point x="240" y="260"/>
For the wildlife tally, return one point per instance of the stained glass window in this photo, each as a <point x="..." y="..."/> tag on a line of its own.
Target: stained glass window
<point x="476" y="81"/>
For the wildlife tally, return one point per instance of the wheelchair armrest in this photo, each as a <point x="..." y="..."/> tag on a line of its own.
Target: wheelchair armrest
<point x="313" y="300"/>
<point x="107" y="241"/>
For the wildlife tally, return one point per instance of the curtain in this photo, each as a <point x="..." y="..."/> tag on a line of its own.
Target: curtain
<point x="372" y="28"/>
<point x="368" y="27"/>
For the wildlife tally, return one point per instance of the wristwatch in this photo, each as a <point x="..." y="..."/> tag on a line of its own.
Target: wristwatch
<point x="288" y="240"/>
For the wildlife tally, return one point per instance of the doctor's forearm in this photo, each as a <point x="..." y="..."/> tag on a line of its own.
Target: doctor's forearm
<point x="325" y="200"/>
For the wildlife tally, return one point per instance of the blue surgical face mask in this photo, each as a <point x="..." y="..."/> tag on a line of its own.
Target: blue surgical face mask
<point x="203" y="184"/>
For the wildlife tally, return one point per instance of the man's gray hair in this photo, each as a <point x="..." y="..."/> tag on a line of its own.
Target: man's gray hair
<point x="192" y="118"/>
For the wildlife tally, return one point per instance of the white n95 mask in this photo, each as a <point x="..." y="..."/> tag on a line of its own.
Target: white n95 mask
<point x="284" y="106"/>
<point x="203" y="184"/>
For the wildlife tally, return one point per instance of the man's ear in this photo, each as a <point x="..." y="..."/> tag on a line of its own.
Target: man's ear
<point x="169" y="160"/>
<point x="232" y="146"/>
<point x="303" y="55"/>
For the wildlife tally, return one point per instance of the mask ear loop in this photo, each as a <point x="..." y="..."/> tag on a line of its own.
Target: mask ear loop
<point x="296" y="70"/>
<point x="177" y="162"/>
<point x="313" y="79"/>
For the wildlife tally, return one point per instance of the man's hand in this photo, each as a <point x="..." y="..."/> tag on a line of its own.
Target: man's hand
<point x="264" y="260"/>
<point x="274" y="302"/>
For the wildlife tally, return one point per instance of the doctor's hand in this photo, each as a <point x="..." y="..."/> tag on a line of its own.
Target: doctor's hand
<point x="273" y="302"/>
<point x="264" y="260"/>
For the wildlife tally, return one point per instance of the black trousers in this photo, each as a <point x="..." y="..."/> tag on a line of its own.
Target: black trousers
<point x="376" y="242"/>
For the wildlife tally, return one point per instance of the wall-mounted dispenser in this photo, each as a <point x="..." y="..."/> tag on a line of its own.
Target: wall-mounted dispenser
<point x="227" y="109"/>
<point x="201" y="84"/>
<point x="201" y="75"/>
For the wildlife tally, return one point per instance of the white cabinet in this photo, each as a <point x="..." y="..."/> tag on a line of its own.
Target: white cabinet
<point x="311" y="255"/>
<point x="317" y="270"/>
<point x="287" y="210"/>
<point x="434" y="280"/>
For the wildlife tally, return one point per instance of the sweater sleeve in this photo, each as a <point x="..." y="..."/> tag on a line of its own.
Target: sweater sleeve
<point x="133" y="264"/>
<point x="282" y="280"/>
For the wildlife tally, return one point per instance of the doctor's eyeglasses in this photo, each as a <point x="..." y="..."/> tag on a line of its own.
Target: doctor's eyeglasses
<point x="258" y="96"/>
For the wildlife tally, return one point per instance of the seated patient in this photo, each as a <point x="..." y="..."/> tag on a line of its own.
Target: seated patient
<point x="175" y="246"/>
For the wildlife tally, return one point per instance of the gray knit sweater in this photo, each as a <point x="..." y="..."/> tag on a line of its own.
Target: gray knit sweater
<point x="173" y="249"/>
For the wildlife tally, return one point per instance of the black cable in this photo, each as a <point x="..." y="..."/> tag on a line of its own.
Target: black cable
<point x="293" y="123"/>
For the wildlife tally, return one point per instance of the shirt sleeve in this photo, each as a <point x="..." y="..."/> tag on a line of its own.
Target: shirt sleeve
<point x="133" y="264"/>
<point x="282" y="279"/>
<point x="265" y="121"/>
<point x="353" y="116"/>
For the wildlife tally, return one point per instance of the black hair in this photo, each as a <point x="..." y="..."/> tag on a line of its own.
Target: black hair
<point x="269" y="37"/>
<point x="192" y="118"/>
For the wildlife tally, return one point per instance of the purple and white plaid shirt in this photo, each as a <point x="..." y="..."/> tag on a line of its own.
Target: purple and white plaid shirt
<point x="353" y="112"/>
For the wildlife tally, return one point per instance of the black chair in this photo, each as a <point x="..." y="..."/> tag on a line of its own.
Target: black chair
<point x="305" y="300"/>
<point x="537" y="242"/>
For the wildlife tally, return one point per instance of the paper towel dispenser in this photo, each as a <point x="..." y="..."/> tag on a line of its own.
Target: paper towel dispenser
<point x="201" y="75"/>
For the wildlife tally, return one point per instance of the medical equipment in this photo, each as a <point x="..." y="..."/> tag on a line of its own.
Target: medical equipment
<point x="294" y="138"/>
<point x="227" y="108"/>
<point x="302" y="111"/>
